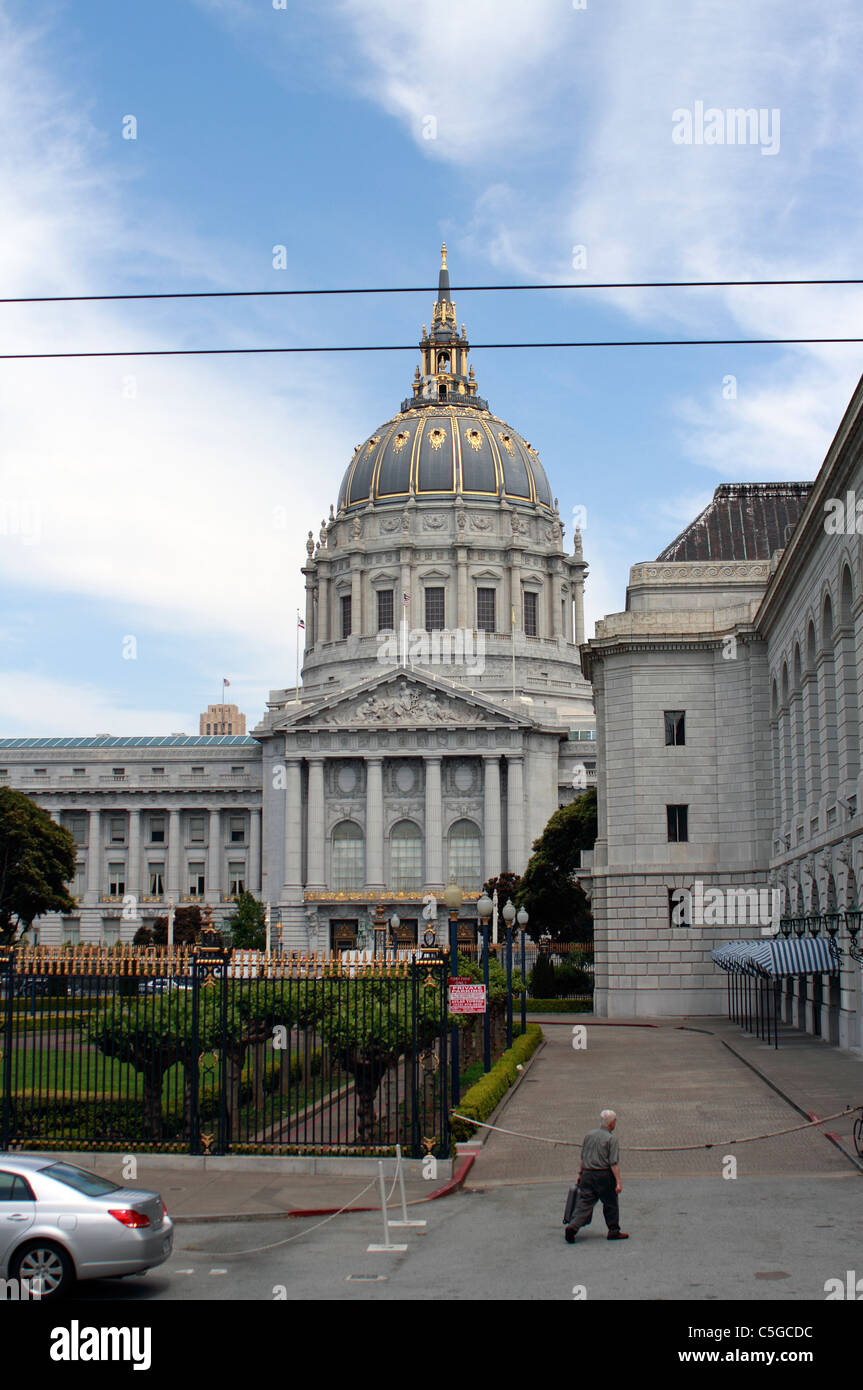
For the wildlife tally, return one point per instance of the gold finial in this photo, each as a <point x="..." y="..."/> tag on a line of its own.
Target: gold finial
<point x="443" y="256"/>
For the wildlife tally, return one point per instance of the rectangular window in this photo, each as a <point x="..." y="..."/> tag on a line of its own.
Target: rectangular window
<point x="238" y="830"/>
<point x="386" y="618"/>
<point x="118" y="830"/>
<point x="237" y="876"/>
<point x="71" y="933"/>
<point x="530" y="628"/>
<point x="40" y="772"/>
<point x="159" y="771"/>
<point x="157" y="830"/>
<point x="157" y="880"/>
<point x="435" y="611"/>
<point x="196" y="880"/>
<point x="208" y="728"/>
<point x="116" y="880"/>
<point x="78" y="825"/>
<point x="196" y="830"/>
<point x="197" y="772"/>
<point x="679" y="907"/>
<point x="79" y="772"/>
<point x="675" y="727"/>
<point x="111" y="933"/>
<point x="678" y="828"/>
<point x="485" y="604"/>
<point x="80" y="881"/>
<point x="237" y="771"/>
<point x="346" y="615"/>
<point x="118" y="771"/>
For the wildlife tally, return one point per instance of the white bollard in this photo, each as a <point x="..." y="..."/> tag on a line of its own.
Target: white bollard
<point x="404" y="1221"/>
<point x="388" y="1247"/>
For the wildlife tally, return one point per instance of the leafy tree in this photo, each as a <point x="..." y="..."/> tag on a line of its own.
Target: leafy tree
<point x="548" y="889"/>
<point x="248" y="925"/>
<point x="506" y="885"/>
<point x="37" y="860"/>
<point x="187" y="929"/>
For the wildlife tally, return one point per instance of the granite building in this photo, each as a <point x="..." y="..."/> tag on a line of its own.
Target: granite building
<point x="442" y="716"/>
<point x="728" y="735"/>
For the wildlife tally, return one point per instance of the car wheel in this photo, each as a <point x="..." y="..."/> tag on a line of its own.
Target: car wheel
<point x="47" y="1262"/>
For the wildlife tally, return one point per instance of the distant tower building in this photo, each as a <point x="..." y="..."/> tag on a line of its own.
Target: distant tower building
<point x="222" y="719"/>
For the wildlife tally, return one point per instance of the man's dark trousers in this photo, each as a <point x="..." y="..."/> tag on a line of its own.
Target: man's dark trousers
<point x="596" y="1185"/>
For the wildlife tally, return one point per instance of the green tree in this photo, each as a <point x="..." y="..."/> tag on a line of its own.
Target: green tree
<point x="548" y="889"/>
<point x="37" y="861"/>
<point x="248" y="925"/>
<point x="187" y="929"/>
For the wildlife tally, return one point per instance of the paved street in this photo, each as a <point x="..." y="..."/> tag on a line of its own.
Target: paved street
<point x="792" y="1218"/>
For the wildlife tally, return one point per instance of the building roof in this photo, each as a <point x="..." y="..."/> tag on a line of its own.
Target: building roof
<point x="165" y="741"/>
<point x="744" y="521"/>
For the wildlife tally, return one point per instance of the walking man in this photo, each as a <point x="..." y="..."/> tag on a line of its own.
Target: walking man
<point x="598" y="1180"/>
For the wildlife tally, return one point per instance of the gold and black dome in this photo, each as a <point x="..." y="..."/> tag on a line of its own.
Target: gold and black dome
<point x="445" y="441"/>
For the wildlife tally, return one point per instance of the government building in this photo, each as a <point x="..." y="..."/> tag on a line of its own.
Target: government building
<point x="442" y="717"/>
<point x="728" y="705"/>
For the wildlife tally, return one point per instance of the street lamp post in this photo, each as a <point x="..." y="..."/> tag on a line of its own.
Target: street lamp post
<point x="522" y="922"/>
<point x="509" y="918"/>
<point x="453" y="898"/>
<point x="395" y="923"/>
<point x="484" y="910"/>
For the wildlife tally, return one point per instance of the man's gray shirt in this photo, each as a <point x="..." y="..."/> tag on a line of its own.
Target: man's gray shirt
<point x="600" y="1149"/>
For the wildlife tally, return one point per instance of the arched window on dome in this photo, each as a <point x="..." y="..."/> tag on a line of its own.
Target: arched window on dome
<point x="464" y="844"/>
<point x="406" y="855"/>
<point x="347" y="867"/>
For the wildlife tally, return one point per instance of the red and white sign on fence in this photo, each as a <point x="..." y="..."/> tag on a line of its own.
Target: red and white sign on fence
<point x="466" y="996"/>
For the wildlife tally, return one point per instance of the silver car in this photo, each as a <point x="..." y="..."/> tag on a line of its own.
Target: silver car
<point x="59" y="1223"/>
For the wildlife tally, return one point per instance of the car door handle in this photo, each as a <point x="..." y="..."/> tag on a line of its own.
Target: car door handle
<point x="18" y="1217"/>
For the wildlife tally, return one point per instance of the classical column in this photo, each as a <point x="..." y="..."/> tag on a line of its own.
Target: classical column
<point x="293" y="826"/>
<point x="556" y="602"/>
<point x="374" y="823"/>
<point x="464" y="620"/>
<point x="434" y="868"/>
<point x="214" y="856"/>
<point x="491" y="815"/>
<point x="322" y="629"/>
<point x="174" y="855"/>
<point x="94" y="859"/>
<point x="133" y="877"/>
<point x="253" y="878"/>
<point x="357" y="628"/>
<point x="310" y="608"/>
<point x="315" y="838"/>
<point x="515" y="815"/>
<point x="579" y="610"/>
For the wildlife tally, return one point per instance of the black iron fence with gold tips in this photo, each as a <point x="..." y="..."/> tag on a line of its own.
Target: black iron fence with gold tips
<point x="204" y="1050"/>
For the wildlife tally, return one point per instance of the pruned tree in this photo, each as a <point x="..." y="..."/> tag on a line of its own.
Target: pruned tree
<point x="37" y="862"/>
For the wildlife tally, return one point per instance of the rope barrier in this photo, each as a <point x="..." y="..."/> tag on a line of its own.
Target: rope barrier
<point x="665" y="1149"/>
<point x="258" y="1249"/>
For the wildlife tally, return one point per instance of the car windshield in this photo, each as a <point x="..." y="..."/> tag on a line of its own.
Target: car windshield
<point x="88" y="1183"/>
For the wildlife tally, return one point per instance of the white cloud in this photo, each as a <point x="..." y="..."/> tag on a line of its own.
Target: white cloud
<point x="32" y="703"/>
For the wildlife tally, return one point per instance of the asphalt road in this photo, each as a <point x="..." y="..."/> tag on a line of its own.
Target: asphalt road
<point x="697" y="1239"/>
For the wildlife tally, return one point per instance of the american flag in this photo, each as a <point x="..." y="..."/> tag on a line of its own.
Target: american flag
<point x="225" y="681"/>
<point x="405" y="598"/>
<point x="301" y="624"/>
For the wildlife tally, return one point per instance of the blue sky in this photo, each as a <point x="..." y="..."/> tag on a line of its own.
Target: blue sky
<point x="169" y="499"/>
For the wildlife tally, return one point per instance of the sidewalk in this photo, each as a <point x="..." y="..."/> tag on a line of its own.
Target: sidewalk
<point x="249" y="1189"/>
<point x="683" y="1089"/>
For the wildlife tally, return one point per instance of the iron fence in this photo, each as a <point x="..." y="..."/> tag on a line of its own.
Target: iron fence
<point x="192" y="1050"/>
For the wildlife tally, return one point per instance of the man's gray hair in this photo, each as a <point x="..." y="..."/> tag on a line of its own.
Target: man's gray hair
<point x="608" y="1115"/>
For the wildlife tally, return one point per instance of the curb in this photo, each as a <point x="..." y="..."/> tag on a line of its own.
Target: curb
<point x="448" y="1187"/>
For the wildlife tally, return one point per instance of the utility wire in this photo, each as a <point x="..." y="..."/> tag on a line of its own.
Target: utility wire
<point x="412" y="347"/>
<point x="423" y="289"/>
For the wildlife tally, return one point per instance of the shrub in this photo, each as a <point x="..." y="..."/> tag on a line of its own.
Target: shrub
<point x="479" y="1102"/>
<point x="543" y="982"/>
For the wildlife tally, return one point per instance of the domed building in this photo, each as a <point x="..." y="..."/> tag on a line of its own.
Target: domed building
<point x="442" y="717"/>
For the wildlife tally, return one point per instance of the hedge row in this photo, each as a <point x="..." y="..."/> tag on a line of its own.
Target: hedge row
<point x="560" y="1006"/>
<point x="489" y="1091"/>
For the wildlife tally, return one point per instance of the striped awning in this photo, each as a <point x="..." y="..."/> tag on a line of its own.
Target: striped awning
<point x="779" y="957"/>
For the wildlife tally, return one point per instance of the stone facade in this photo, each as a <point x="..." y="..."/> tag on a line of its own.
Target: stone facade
<point x="764" y="656"/>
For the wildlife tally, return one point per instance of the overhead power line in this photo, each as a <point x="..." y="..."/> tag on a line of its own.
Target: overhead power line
<point x="411" y="347"/>
<point x="423" y="289"/>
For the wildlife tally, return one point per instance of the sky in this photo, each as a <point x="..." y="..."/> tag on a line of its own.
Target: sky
<point x="153" y="511"/>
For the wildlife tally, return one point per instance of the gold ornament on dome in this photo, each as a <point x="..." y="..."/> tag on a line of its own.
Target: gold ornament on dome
<point x="474" y="438"/>
<point x="372" y="442"/>
<point x="400" y="441"/>
<point x="437" y="438"/>
<point x="506" y="441"/>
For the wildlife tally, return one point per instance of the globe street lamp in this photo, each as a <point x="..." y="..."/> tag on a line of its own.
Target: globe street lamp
<point x="395" y="923"/>
<point x="484" y="910"/>
<point x="453" y="897"/>
<point x="509" y="918"/>
<point x="522" y="920"/>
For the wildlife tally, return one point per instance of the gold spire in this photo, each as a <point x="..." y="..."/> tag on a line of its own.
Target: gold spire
<point x="443" y="256"/>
